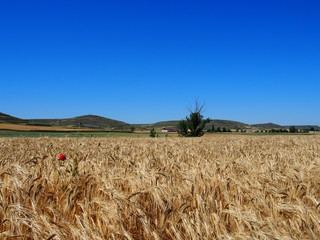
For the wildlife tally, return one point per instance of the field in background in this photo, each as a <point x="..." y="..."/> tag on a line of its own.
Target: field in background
<point x="21" y="127"/>
<point x="20" y="130"/>
<point x="229" y="187"/>
<point x="74" y="134"/>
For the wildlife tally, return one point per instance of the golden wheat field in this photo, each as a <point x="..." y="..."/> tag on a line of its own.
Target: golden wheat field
<point x="231" y="187"/>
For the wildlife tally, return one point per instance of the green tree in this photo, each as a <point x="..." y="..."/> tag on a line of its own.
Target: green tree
<point x="194" y="124"/>
<point x="182" y="128"/>
<point x="152" y="133"/>
<point x="292" y="129"/>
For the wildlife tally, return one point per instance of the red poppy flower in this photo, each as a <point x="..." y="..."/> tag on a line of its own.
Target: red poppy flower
<point x="61" y="157"/>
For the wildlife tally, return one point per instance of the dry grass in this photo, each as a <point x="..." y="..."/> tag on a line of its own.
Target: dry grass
<point x="232" y="187"/>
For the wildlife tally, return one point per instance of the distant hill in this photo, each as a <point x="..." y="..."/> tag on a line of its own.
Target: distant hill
<point x="225" y="123"/>
<point x="98" y="122"/>
<point x="5" y="118"/>
<point x="216" y="122"/>
<point x="317" y="128"/>
<point x="158" y="125"/>
<point x="263" y="126"/>
<point x="86" y="121"/>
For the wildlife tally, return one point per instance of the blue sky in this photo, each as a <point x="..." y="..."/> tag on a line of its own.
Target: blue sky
<point x="146" y="61"/>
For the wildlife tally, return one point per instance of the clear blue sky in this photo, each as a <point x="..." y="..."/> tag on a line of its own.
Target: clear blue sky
<point x="146" y="61"/>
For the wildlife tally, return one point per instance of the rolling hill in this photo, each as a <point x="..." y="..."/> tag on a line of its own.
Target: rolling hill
<point x="86" y="121"/>
<point x="263" y="126"/>
<point x="216" y="122"/>
<point x="5" y="118"/>
<point x="317" y="128"/>
<point x="98" y="122"/>
<point x="225" y="123"/>
<point x="157" y="125"/>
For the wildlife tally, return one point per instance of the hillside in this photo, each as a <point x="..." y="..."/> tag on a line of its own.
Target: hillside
<point x="86" y="121"/>
<point x="263" y="126"/>
<point x="216" y="122"/>
<point x="225" y="123"/>
<point x="5" y="118"/>
<point x="317" y="128"/>
<point x="157" y="125"/>
<point x="98" y="122"/>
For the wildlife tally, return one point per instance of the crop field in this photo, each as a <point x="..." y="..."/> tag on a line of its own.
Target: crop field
<point x="20" y="127"/>
<point x="226" y="187"/>
<point x="69" y="134"/>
